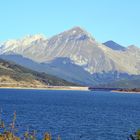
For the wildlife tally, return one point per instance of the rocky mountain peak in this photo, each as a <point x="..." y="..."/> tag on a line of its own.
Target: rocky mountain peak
<point x="76" y="33"/>
<point x="133" y="48"/>
<point x="31" y="38"/>
<point x="79" y="31"/>
<point x="113" y="45"/>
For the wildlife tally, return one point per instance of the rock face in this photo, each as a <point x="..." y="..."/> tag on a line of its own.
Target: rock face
<point x="76" y="56"/>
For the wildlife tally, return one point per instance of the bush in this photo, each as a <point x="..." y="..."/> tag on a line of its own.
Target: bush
<point x="135" y="136"/>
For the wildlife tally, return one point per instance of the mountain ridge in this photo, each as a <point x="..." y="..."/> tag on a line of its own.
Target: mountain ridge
<point x="115" y="46"/>
<point x="81" y="51"/>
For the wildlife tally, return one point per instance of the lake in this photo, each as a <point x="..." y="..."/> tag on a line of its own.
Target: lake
<point x="74" y="115"/>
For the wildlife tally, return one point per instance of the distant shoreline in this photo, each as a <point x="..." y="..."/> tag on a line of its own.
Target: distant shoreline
<point x="51" y="88"/>
<point x="67" y="88"/>
<point x="128" y="92"/>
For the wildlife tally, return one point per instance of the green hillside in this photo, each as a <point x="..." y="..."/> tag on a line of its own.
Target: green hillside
<point x="12" y="74"/>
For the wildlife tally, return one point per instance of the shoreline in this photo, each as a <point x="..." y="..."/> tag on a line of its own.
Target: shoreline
<point x="127" y="92"/>
<point x="67" y="88"/>
<point x="75" y="88"/>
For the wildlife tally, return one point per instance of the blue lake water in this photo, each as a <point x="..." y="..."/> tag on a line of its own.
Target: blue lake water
<point x="74" y="115"/>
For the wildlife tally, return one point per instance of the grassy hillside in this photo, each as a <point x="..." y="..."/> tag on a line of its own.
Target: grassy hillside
<point x="12" y="74"/>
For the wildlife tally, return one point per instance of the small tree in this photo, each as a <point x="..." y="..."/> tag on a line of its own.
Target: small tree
<point x="47" y="136"/>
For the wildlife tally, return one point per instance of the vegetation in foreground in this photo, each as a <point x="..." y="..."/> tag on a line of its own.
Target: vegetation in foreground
<point x="135" y="136"/>
<point x="9" y="133"/>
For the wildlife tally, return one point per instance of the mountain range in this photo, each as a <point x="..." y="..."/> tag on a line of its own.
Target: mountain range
<point x="76" y="56"/>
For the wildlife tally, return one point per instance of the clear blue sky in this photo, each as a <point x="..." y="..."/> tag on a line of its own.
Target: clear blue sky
<point x="117" y="20"/>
